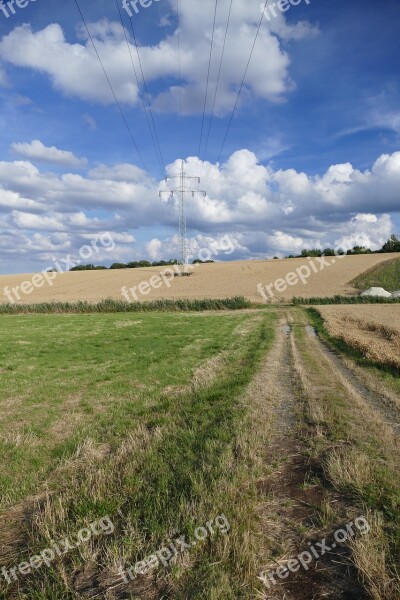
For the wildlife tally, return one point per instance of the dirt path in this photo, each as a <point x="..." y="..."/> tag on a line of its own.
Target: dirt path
<point x="296" y="495"/>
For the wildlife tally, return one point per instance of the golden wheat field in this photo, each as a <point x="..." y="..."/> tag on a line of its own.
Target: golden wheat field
<point x="217" y="280"/>
<point x="372" y="329"/>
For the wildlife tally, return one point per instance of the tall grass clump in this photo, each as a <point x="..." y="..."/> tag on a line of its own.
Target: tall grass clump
<point x="118" y="306"/>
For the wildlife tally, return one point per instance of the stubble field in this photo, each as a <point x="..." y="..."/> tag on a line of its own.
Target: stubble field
<point x="217" y="280"/>
<point x="374" y="330"/>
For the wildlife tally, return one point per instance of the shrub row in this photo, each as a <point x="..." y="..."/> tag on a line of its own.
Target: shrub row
<point x="117" y="306"/>
<point x="346" y="300"/>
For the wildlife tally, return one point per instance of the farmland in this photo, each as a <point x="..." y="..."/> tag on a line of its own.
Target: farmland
<point x="199" y="370"/>
<point x="163" y="422"/>
<point x="218" y="280"/>
<point x="373" y="330"/>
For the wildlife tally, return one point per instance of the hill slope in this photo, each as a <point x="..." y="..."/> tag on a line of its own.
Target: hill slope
<point x="386" y="275"/>
<point x="217" y="280"/>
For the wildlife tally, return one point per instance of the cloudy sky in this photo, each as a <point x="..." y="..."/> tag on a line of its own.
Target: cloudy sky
<point x="312" y="156"/>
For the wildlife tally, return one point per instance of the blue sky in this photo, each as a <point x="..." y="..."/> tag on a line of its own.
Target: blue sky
<point x="312" y="157"/>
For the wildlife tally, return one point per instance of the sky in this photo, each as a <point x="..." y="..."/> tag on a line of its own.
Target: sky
<point x="309" y="158"/>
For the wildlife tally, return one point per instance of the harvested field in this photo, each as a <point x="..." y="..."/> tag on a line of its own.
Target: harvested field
<point x="217" y="280"/>
<point x="374" y="330"/>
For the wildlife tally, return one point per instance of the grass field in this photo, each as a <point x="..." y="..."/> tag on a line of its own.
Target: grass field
<point x="386" y="275"/>
<point x="64" y="378"/>
<point x="133" y="418"/>
<point x="218" y="280"/>
<point x="235" y="422"/>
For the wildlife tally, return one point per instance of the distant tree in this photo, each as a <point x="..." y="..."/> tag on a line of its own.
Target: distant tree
<point x="392" y="245"/>
<point x="359" y="250"/>
<point x="83" y="268"/>
<point x="313" y="252"/>
<point x="118" y="266"/>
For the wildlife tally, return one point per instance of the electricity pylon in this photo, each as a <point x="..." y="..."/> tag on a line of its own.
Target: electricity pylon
<point x="182" y="189"/>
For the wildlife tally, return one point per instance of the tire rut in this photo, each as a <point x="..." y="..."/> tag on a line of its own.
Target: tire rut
<point x="387" y="410"/>
<point x="291" y="507"/>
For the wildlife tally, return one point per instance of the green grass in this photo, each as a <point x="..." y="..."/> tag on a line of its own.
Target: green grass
<point x="116" y="306"/>
<point x="181" y="465"/>
<point x="386" y="275"/>
<point x="97" y="371"/>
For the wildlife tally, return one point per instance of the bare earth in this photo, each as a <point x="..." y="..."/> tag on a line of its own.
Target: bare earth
<point x="373" y="329"/>
<point x="217" y="280"/>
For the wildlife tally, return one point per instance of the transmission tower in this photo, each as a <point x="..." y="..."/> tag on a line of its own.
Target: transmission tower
<point x="182" y="186"/>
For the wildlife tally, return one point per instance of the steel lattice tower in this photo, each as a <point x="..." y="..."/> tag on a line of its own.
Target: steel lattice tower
<point x="185" y="185"/>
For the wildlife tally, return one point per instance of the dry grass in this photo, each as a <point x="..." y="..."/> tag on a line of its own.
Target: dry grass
<point x="372" y="329"/>
<point x="218" y="280"/>
<point x="359" y="458"/>
<point x="370" y="555"/>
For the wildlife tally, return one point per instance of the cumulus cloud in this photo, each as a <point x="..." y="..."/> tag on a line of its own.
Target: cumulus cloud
<point x="366" y="230"/>
<point x="265" y="211"/>
<point x="36" y="150"/>
<point x="46" y="49"/>
<point x="155" y="249"/>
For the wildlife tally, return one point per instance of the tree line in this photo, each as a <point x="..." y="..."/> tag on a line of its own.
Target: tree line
<point x="392" y="245"/>
<point x="136" y="264"/>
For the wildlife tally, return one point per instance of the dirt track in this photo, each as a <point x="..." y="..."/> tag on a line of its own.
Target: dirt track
<point x="218" y="280"/>
<point x="293" y="395"/>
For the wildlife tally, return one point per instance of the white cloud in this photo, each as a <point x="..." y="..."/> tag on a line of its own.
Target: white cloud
<point x="37" y="151"/>
<point x="154" y="248"/>
<point x="366" y="230"/>
<point x="82" y="76"/>
<point x="266" y="211"/>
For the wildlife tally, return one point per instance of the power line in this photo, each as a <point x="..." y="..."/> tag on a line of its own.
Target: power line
<point x="243" y="80"/>
<point x="208" y="76"/>
<point x="139" y="89"/>
<point x="218" y="79"/>
<point x="179" y="75"/>
<point x="147" y="93"/>
<point x="111" y="87"/>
